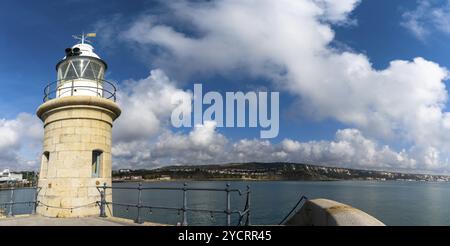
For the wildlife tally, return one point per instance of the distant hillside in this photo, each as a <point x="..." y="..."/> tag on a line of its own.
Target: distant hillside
<point x="267" y="171"/>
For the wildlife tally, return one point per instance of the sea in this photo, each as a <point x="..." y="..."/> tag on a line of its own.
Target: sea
<point x="392" y="202"/>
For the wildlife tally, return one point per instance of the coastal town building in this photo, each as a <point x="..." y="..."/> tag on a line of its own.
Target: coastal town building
<point x="6" y="176"/>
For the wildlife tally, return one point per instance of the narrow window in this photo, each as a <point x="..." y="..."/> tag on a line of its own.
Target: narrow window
<point x="96" y="163"/>
<point x="45" y="157"/>
<point x="44" y="163"/>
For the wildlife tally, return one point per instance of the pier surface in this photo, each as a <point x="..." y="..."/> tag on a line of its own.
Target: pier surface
<point x="37" y="220"/>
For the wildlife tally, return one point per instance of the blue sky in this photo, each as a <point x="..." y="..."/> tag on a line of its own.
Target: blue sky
<point x="33" y="37"/>
<point x="380" y="35"/>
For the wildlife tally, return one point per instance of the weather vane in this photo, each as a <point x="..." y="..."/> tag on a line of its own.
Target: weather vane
<point x="83" y="37"/>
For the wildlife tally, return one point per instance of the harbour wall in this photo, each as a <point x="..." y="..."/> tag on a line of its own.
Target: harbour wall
<point x="324" y="212"/>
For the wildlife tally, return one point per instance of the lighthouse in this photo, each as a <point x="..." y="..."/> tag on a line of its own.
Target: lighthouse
<point x="78" y="112"/>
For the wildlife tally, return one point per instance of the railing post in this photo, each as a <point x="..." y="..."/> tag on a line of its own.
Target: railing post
<point x="184" y="223"/>
<point x="139" y="205"/>
<point x="103" y="201"/>
<point x="73" y="88"/>
<point x="247" y="222"/>
<point x="228" y="211"/>
<point x="45" y="93"/>
<point x="11" y="202"/>
<point x="35" y="202"/>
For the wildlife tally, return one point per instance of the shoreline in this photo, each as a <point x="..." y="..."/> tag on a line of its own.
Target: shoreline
<point x="267" y="180"/>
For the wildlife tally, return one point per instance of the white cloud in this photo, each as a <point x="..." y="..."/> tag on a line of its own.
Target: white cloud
<point x="337" y="11"/>
<point x="204" y="145"/>
<point x="352" y="149"/>
<point x="20" y="142"/>
<point x="132" y="154"/>
<point x="349" y="149"/>
<point x="428" y="17"/>
<point x="147" y="105"/>
<point x="201" y="146"/>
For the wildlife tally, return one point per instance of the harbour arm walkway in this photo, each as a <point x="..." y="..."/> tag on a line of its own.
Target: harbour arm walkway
<point x="37" y="220"/>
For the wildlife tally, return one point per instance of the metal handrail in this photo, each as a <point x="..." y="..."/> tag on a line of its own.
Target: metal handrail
<point x="243" y="214"/>
<point x="302" y="198"/>
<point x="184" y="209"/>
<point x="12" y="201"/>
<point x="175" y="188"/>
<point x="17" y="188"/>
<point x="51" y="90"/>
<point x="174" y="208"/>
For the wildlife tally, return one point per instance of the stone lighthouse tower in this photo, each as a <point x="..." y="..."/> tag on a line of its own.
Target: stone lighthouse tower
<point x="78" y="114"/>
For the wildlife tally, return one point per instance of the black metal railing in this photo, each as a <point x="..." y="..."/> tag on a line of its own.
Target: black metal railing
<point x="62" y="88"/>
<point x="244" y="214"/>
<point x="294" y="210"/>
<point x="8" y="207"/>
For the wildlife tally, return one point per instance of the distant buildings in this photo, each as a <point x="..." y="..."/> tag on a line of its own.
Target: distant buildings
<point x="124" y="170"/>
<point x="164" y="178"/>
<point x="10" y="177"/>
<point x="270" y="171"/>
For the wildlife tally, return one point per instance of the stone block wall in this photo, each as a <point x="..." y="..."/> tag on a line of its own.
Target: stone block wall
<point x="74" y="127"/>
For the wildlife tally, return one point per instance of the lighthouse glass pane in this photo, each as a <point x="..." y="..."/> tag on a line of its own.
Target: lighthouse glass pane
<point x="62" y="69"/>
<point x="71" y="72"/>
<point x="94" y="70"/>
<point x="89" y="73"/>
<point x="81" y="67"/>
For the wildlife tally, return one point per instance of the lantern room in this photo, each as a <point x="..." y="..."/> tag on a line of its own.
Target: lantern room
<point x="81" y="72"/>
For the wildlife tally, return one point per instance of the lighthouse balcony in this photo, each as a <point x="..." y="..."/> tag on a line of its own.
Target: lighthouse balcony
<point x="80" y="87"/>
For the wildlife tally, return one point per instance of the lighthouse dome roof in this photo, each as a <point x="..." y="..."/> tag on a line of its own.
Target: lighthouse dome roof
<point x="86" y="50"/>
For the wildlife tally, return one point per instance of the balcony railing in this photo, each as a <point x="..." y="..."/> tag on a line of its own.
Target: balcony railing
<point x="99" y="88"/>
